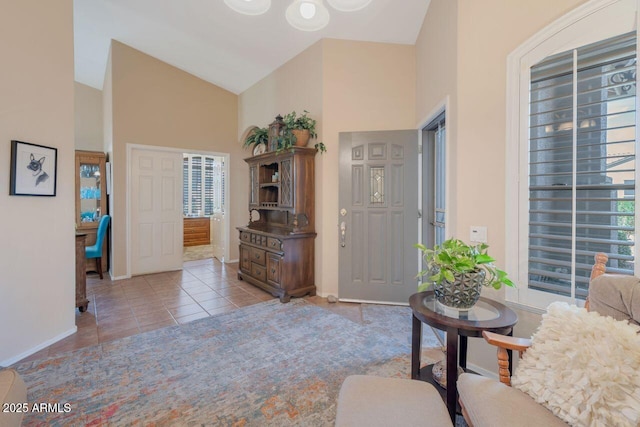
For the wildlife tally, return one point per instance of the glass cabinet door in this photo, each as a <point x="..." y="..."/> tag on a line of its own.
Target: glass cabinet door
<point x="90" y="188"/>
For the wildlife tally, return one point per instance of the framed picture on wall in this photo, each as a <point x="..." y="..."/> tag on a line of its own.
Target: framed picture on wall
<point x="33" y="169"/>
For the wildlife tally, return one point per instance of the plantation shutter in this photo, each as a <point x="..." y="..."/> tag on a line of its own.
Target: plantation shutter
<point x="196" y="185"/>
<point x="582" y="164"/>
<point x="208" y="185"/>
<point x="203" y="184"/>
<point x="185" y="186"/>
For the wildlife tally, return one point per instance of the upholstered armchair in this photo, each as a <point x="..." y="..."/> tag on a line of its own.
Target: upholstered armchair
<point x="615" y="298"/>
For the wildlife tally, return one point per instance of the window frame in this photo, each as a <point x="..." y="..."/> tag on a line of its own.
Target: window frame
<point x="594" y="21"/>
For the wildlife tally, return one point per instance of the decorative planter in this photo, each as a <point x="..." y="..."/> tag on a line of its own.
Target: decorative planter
<point x="302" y="137"/>
<point x="463" y="293"/>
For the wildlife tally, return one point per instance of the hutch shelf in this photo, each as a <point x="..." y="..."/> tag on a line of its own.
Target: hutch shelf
<point x="277" y="246"/>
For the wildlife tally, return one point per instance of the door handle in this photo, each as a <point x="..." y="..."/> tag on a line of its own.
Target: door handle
<point x="343" y="233"/>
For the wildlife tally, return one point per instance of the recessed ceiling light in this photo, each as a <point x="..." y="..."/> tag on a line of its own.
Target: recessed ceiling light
<point x="249" y="7"/>
<point x="348" y="5"/>
<point x="307" y="15"/>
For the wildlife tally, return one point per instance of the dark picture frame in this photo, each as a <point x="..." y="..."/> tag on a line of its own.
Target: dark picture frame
<point x="34" y="169"/>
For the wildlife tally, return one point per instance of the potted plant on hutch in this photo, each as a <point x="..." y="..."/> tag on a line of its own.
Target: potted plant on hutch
<point x="301" y="127"/>
<point x="458" y="271"/>
<point x="259" y="139"/>
<point x="299" y="130"/>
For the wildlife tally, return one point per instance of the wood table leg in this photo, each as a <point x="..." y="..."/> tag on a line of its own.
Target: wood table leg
<point x="416" y="347"/>
<point x="462" y="353"/>
<point x="452" y="371"/>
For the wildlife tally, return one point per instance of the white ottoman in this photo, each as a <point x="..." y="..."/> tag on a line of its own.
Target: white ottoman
<point x="375" y="401"/>
<point x="12" y="390"/>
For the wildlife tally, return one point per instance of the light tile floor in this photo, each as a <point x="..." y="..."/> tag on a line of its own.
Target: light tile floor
<point x="122" y="308"/>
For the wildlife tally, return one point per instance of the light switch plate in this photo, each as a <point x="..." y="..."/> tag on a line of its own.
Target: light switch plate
<point x="478" y="234"/>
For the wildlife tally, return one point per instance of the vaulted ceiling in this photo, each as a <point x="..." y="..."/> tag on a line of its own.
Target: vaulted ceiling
<point x="211" y="41"/>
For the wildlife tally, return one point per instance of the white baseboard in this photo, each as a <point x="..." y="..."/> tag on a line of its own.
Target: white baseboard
<point x="39" y="347"/>
<point x="372" y="302"/>
<point x="482" y="371"/>
<point x="231" y="261"/>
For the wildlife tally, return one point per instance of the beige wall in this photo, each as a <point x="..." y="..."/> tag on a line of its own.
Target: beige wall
<point x="153" y="103"/>
<point x="367" y="86"/>
<point x="436" y="59"/>
<point x="487" y="32"/>
<point x="37" y="253"/>
<point x="88" y="118"/>
<point x="436" y="83"/>
<point x="346" y="86"/>
<point x="295" y="86"/>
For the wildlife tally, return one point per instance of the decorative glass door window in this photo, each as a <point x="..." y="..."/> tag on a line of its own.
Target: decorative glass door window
<point x="377" y="185"/>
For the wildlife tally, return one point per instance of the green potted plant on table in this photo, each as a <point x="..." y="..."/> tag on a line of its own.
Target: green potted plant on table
<point x="458" y="271"/>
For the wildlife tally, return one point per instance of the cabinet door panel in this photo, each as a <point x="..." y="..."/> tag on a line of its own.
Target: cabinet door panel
<point x="91" y="191"/>
<point x="286" y="184"/>
<point x="273" y="269"/>
<point x="245" y="258"/>
<point x="255" y="187"/>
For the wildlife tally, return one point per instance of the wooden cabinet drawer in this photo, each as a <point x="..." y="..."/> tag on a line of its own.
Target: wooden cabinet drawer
<point x="258" y="256"/>
<point x="275" y="244"/>
<point x="257" y="239"/>
<point x="258" y="272"/>
<point x="273" y="269"/>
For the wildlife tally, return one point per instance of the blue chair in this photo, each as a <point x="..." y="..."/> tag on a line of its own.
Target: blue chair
<point x="95" y="251"/>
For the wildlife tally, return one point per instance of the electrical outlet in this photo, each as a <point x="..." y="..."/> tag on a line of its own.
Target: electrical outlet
<point x="478" y="234"/>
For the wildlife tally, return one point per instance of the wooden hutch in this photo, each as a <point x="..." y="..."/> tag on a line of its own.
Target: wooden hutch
<point x="277" y="246"/>
<point x="91" y="201"/>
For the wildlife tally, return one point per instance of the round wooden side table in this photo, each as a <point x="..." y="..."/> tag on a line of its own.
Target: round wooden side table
<point x="486" y="315"/>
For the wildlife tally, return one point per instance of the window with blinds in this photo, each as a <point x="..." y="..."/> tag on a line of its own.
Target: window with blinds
<point x="203" y="184"/>
<point x="582" y="151"/>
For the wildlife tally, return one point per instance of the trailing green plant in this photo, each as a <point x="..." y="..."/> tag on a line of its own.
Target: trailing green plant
<point x="454" y="257"/>
<point x="257" y="136"/>
<point x="293" y="121"/>
<point x="286" y="141"/>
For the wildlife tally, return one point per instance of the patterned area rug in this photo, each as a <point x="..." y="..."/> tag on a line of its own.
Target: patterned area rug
<point x="270" y="364"/>
<point x="383" y="317"/>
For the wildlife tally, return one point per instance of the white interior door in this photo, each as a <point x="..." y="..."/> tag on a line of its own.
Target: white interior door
<point x="378" y="222"/>
<point x="217" y="235"/>
<point x="156" y="211"/>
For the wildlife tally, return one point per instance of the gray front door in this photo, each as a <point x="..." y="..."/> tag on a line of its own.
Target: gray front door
<point x="377" y="222"/>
